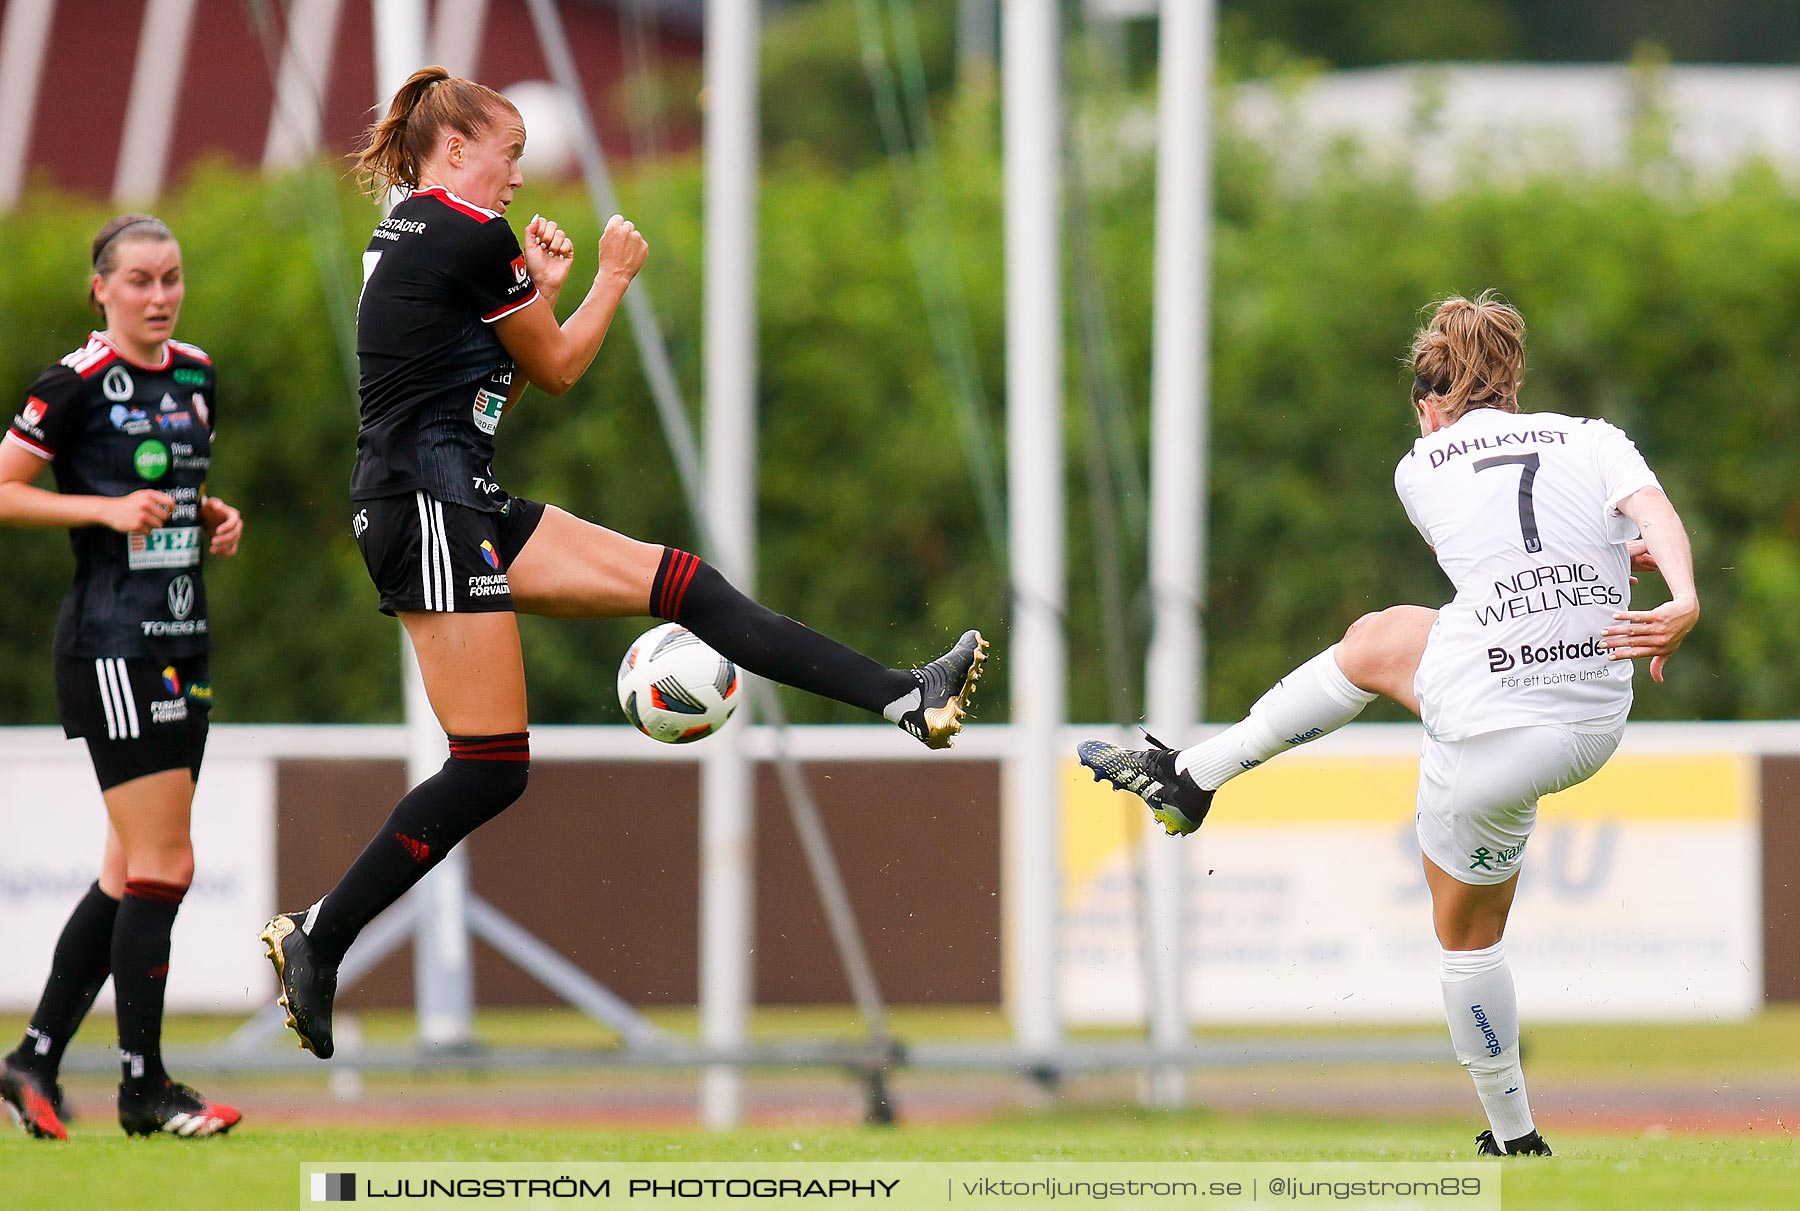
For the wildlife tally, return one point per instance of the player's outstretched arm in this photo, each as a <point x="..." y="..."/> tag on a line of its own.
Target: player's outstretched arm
<point x="553" y="358"/>
<point x="1657" y="633"/>
<point x="23" y="504"/>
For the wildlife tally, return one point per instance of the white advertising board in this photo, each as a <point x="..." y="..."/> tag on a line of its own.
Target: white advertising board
<point x="1306" y="902"/>
<point x="52" y="831"/>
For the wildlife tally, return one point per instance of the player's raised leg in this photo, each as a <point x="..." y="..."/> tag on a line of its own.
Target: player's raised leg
<point x="474" y="674"/>
<point x="1379" y="655"/>
<point x="573" y="568"/>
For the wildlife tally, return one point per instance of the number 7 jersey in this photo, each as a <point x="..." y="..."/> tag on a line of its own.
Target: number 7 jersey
<point x="1522" y="510"/>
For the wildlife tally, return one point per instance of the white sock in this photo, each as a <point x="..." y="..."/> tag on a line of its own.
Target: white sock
<point x="312" y="914"/>
<point x="1484" y="1028"/>
<point x="1314" y="699"/>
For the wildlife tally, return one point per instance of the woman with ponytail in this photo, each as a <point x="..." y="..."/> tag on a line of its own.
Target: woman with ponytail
<point x="456" y="320"/>
<point x="125" y="423"/>
<point x="1523" y="681"/>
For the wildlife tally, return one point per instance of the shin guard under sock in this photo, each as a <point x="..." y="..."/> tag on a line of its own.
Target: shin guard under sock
<point x="692" y="592"/>
<point x="78" y="969"/>
<point x="140" y="963"/>
<point x="1309" y="702"/>
<point x="482" y="778"/>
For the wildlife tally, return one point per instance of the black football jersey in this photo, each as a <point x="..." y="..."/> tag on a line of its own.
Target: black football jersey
<point x="109" y="427"/>
<point x="434" y="376"/>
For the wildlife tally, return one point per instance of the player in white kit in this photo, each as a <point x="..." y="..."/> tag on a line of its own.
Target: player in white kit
<point x="1523" y="681"/>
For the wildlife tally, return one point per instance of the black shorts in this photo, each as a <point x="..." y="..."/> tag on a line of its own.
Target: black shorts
<point x="424" y="554"/>
<point x="138" y="716"/>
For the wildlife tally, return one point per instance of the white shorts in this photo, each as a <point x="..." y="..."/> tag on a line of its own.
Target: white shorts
<point x="1478" y="797"/>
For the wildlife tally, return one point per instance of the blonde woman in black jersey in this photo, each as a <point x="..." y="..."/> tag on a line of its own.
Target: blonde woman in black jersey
<point x="125" y="423"/>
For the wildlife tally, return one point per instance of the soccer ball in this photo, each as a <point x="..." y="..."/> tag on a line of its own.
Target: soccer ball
<point x="674" y="688"/>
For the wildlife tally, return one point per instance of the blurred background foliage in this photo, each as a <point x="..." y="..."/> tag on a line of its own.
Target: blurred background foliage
<point x="1664" y="304"/>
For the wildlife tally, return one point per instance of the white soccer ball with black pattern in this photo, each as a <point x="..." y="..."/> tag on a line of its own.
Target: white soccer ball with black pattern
<point x="674" y="688"/>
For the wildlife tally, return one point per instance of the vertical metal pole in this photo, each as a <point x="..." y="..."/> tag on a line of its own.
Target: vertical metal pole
<point x="297" y="118"/>
<point x="443" y="974"/>
<point x="155" y="93"/>
<point x="1031" y="823"/>
<point x="1174" y="676"/>
<point x="24" y="37"/>
<point x="456" y="35"/>
<point x="727" y="902"/>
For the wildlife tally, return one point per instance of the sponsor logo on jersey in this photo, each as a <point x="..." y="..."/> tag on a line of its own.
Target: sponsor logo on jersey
<point x="188" y="376"/>
<point x="175" y="420"/>
<point x="186" y="459"/>
<point x="521" y="275"/>
<point x="173" y="630"/>
<point x="168" y="547"/>
<point x="171" y="680"/>
<point x="130" y="421"/>
<point x="31" y="417"/>
<point x="181" y="596"/>
<point x="1549" y="587"/>
<point x="489" y="586"/>
<point x="489" y="407"/>
<point x="200" y="691"/>
<point x="1501" y="660"/>
<point x="174" y="710"/>
<point x="359" y="524"/>
<point x="117" y="385"/>
<point x="201" y="410"/>
<point x="151" y="460"/>
<point x="393" y="229"/>
<point x="490" y="556"/>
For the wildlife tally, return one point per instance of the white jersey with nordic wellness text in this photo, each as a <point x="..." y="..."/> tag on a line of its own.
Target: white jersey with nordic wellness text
<point x="1522" y="512"/>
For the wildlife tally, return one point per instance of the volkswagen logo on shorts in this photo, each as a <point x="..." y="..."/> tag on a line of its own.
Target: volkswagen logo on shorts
<point x="181" y="596"/>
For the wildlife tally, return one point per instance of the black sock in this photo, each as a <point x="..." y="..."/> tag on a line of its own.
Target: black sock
<point x="482" y="778"/>
<point x="140" y="962"/>
<point x="78" y="969"/>
<point x="691" y="591"/>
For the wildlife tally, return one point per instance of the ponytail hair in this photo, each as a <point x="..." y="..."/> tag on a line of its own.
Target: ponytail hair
<point x="121" y="229"/>
<point x="1470" y="354"/>
<point x="430" y="101"/>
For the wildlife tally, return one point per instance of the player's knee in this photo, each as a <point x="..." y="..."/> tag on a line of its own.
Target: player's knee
<point x="1359" y="652"/>
<point x="1381" y="642"/>
<point x="170" y="863"/>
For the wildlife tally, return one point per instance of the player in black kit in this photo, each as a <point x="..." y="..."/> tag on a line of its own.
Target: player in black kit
<point x="125" y="423"/>
<point x="455" y="319"/>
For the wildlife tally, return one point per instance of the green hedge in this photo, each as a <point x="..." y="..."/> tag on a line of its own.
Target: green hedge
<point x="1673" y="311"/>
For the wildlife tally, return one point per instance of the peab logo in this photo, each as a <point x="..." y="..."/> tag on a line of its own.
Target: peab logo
<point x="334" y="1187"/>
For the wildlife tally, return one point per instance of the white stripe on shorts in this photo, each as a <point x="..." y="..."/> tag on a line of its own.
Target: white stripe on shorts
<point x="437" y="514"/>
<point x="106" y="702"/>
<point x="126" y="697"/>
<point x="425" y="549"/>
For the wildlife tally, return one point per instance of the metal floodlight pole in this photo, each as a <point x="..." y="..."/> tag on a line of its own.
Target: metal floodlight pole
<point x="1031" y="815"/>
<point x="443" y="968"/>
<point x="24" y="39"/>
<point x="1174" y="674"/>
<point x="727" y="825"/>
